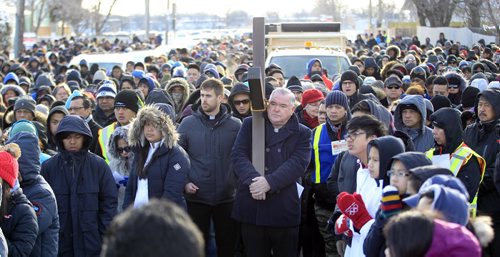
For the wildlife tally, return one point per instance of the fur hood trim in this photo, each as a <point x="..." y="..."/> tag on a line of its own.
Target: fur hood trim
<point x="152" y="114"/>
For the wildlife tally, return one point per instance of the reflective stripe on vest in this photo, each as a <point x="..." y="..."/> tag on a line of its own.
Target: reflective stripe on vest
<point x="317" y="165"/>
<point x="458" y="159"/>
<point x="103" y="137"/>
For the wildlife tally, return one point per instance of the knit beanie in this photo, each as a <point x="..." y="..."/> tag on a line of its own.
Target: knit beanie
<point x="22" y="126"/>
<point x="108" y="88"/>
<point x="128" y="99"/>
<point x="294" y="84"/>
<point x="26" y="103"/>
<point x="350" y="75"/>
<point x="439" y="101"/>
<point x="9" y="169"/>
<point x="337" y="97"/>
<point x="469" y="97"/>
<point x="99" y="76"/>
<point x="310" y="96"/>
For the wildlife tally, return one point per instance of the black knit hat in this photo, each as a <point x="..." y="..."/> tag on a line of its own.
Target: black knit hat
<point x="440" y="101"/>
<point x="294" y="84"/>
<point x="469" y="97"/>
<point x="350" y="75"/>
<point x="128" y="99"/>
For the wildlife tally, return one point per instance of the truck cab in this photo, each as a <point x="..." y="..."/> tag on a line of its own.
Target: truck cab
<point x="292" y="45"/>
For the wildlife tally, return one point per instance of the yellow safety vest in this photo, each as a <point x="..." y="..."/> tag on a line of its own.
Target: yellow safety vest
<point x="317" y="167"/>
<point x="104" y="135"/>
<point x="458" y="159"/>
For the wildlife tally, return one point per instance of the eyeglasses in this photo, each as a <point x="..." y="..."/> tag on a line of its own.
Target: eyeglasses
<point x="123" y="149"/>
<point x="393" y="87"/>
<point x="244" y="102"/>
<point x="354" y="135"/>
<point x="399" y="174"/>
<point x="75" y="108"/>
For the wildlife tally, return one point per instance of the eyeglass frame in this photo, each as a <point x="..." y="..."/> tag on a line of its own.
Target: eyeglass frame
<point x="399" y="174"/>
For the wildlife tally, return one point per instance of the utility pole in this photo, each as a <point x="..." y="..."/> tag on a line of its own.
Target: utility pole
<point x="379" y="20"/>
<point x="174" y="18"/>
<point x="147" y="20"/>
<point x="167" y="22"/>
<point x="370" y="16"/>
<point x="19" y="33"/>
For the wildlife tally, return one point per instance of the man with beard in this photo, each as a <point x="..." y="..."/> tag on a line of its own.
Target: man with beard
<point x="208" y="136"/>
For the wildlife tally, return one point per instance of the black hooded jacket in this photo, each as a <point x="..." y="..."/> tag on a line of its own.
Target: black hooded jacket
<point x="482" y="138"/>
<point x="85" y="192"/>
<point x="449" y="120"/>
<point x="40" y="194"/>
<point x="388" y="147"/>
<point x="239" y="88"/>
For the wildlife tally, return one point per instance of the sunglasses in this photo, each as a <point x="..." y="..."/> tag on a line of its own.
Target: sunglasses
<point x="393" y="87"/>
<point x="123" y="149"/>
<point x="452" y="86"/>
<point x="245" y="102"/>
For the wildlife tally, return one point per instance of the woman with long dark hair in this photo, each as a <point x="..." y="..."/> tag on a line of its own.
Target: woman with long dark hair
<point x="160" y="165"/>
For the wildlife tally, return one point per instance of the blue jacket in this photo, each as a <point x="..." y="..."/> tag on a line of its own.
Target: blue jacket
<point x="169" y="166"/>
<point x="85" y="191"/>
<point x="38" y="191"/>
<point x="209" y="148"/>
<point x="288" y="153"/>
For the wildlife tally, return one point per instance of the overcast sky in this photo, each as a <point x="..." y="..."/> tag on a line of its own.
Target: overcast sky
<point x="220" y="7"/>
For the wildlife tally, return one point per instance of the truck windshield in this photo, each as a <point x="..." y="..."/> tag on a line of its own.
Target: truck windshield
<point x="297" y="65"/>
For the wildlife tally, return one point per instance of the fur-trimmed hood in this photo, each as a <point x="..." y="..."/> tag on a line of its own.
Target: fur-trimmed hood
<point x="457" y="79"/>
<point x="175" y="82"/>
<point x="152" y="114"/>
<point x="396" y="50"/>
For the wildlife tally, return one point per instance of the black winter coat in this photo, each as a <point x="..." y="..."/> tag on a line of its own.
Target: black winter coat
<point x="85" y="191"/>
<point x="20" y="225"/>
<point x="288" y="153"/>
<point x="209" y="146"/>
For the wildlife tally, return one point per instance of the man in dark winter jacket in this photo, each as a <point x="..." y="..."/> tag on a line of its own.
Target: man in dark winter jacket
<point x="84" y="187"/>
<point x="39" y="193"/>
<point x="482" y="138"/>
<point x="349" y="84"/>
<point x="410" y="117"/>
<point x="451" y="152"/>
<point x="239" y="100"/>
<point x="208" y="136"/>
<point x="268" y="205"/>
<point x="81" y="106"/>
<point x="328" y="142"/>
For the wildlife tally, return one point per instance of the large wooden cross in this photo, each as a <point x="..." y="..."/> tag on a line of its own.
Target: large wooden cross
<point x="256" y="83"/>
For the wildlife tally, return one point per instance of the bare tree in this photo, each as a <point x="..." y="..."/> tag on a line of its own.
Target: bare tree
<point x="437" y="12"/>
<point x="99" y="19"/>
<point x="328" y="7"/>
<point x="493" y="8"/>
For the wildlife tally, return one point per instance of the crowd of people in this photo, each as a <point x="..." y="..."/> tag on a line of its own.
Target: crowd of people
<point x="396" y="156"/>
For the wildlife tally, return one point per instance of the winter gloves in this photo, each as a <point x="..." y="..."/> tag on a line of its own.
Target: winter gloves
<point x="391" y="202"/>
<point x="353" y="207"/>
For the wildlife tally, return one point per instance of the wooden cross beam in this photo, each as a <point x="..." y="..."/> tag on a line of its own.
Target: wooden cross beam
<point x="256" y="84"/>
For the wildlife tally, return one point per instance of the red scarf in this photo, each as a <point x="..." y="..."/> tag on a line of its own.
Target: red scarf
<point x="311" y="122"/>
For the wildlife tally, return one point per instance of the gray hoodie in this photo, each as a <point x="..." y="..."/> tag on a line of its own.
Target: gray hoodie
<point x="422" y="137"/>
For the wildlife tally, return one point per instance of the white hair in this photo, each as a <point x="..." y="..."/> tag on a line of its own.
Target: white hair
<point x="285" y="92"/>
